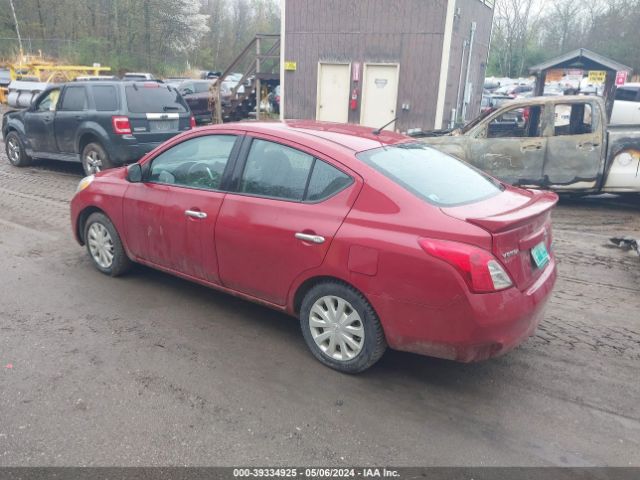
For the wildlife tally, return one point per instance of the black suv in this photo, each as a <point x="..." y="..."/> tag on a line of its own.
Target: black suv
<point x="101" y="124"/>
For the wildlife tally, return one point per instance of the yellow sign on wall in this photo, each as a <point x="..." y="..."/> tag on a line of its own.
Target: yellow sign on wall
<point x="597" y="76"/>
<point x="290" y="66"/>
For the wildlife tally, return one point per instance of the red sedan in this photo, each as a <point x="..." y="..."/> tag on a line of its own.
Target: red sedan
<point x="371" y="240"/>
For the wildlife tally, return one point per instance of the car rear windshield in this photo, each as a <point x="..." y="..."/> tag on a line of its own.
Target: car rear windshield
<point x="202" y="87"/>
<point x="153" y="99"/>
<point x="436" y="177"/>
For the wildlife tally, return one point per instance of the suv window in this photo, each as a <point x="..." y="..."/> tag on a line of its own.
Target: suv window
<point x="431" y="175"/>
<point x="74" y="99"/>
<point x="153" y="98"/>
<point x="198" y="162"/>
<point x="105" y="98"/>
<point x="573" y="119"/>
<point x="517" y="123"/>
<point x="274" y="170"/>
<point x="627" y="94"/>
<point x="49" y="101"/>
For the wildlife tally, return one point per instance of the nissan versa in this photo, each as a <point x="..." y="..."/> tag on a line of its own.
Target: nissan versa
<point x="369" y="238"/>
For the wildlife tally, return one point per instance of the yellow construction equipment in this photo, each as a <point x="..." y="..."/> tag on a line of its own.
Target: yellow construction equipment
<point x="29" y="75"/>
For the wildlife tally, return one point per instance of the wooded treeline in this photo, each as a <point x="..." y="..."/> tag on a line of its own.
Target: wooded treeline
<point x="161" y="36"/>
<point x="527" y="32"/>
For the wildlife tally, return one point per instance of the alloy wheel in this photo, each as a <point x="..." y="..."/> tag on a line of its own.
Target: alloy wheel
<point x="13" y="149"/>
<point x="93" y="162"/>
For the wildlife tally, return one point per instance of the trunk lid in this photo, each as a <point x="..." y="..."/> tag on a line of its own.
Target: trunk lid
<point x="156" y="112"/>
<point x="518" y="220"/>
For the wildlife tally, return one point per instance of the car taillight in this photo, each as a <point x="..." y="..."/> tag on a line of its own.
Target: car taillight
<point x="121" y="125"/>
<point x="479" y="268"/>
<point x="192" y="122"/>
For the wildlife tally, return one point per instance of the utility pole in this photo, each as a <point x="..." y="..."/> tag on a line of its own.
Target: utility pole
<point x="15" y="19"/>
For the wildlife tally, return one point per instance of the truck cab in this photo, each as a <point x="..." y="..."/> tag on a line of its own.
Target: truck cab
<point x="556" y="143"/>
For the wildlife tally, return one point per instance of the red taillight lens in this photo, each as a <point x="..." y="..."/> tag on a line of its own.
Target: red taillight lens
<point x="192" y="122"/>
<point x="479" y="268"/>
<point x="121" y="125"/>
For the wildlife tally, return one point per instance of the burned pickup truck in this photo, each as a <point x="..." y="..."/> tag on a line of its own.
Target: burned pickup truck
<point x="557" y="143"/>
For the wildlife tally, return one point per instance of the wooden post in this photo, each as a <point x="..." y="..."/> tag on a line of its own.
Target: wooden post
<point x="609" y="92"/>
<point x="258" y="86"/>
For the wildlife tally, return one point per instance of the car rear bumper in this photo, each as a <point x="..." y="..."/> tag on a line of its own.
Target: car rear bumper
<point x="477" y="327"/>
<point x="126" y="151"/>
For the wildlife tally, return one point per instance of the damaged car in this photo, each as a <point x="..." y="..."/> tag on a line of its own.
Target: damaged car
<point x="563" y="144"/>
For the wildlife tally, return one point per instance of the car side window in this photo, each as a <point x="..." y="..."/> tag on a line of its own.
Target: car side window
<point x="325" y="181"/>
<point x="197" y="162"/>
<point x="105" y="98"/>
<point x="277" y="171"/>
<point x="49" y="102"/>
<point x="74" y="99"/>
<point x="517" y="122"/>
<point x="573" y="119"/>
<point x="628" y="94"/>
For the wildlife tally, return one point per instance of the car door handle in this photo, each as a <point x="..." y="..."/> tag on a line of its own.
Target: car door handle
<point x="195" y="214"/>
<point x="531" y="147"/>
<point x="588" y="146"/>
<point x="306" y="237"/>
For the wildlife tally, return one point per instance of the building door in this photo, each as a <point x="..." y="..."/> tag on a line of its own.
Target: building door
<point x="379" y="95"/>
<point x="333" y="92"/>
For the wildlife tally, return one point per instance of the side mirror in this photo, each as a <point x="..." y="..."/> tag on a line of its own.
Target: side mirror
<point x="134" y="173"/>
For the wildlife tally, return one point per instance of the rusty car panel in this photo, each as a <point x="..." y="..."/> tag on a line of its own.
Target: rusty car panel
<point x="556" y="143"/>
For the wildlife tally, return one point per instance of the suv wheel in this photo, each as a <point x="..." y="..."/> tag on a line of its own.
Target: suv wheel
<point x="15" y="150"/>
<point x="104" y="245"/>
<point x="95" y="159"/>
<point x="341" y="328"/>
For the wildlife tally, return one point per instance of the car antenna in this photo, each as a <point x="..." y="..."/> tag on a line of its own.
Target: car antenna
<point x="378" y="131"/>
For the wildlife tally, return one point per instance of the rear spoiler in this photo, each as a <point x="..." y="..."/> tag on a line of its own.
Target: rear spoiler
<point x="541" y="202"/>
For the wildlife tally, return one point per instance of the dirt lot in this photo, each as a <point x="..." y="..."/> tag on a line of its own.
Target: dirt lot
<point x="151" y="370"/>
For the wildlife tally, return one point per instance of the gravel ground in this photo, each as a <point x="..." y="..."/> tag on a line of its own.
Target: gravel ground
<point x="152" y="370"/>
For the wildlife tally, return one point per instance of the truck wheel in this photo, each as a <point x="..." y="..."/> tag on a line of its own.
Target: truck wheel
<point x="104" y="245"/>
<point x="341" y="328"/>
<point x="95" y="159"/>
<point x="15" y="150"/>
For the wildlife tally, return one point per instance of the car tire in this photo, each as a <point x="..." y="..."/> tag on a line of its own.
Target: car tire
<point x="16" y="153"/>
<point x="346" y="313"/>
<point x="95" y="159"/>
<point x="104" y="245"/>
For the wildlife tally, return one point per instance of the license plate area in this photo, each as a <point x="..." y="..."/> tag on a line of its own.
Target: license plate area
<point x="163" y="125"/>
<point x="540" y="255"/>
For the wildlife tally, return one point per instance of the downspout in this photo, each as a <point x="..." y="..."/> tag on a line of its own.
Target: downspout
<point x="456" y="109"/>
<point x="444" y="63"/>
<point x="466" y="83"/>
<point x="283" y="9"/>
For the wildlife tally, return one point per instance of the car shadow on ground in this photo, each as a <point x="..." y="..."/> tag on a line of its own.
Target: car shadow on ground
<point x="284" y="329"/>
<point x="70" y="168"/>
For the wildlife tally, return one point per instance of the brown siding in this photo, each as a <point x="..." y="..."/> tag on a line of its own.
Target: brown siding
<point x="470" y="11"/>
<point x="408" y="32"/>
